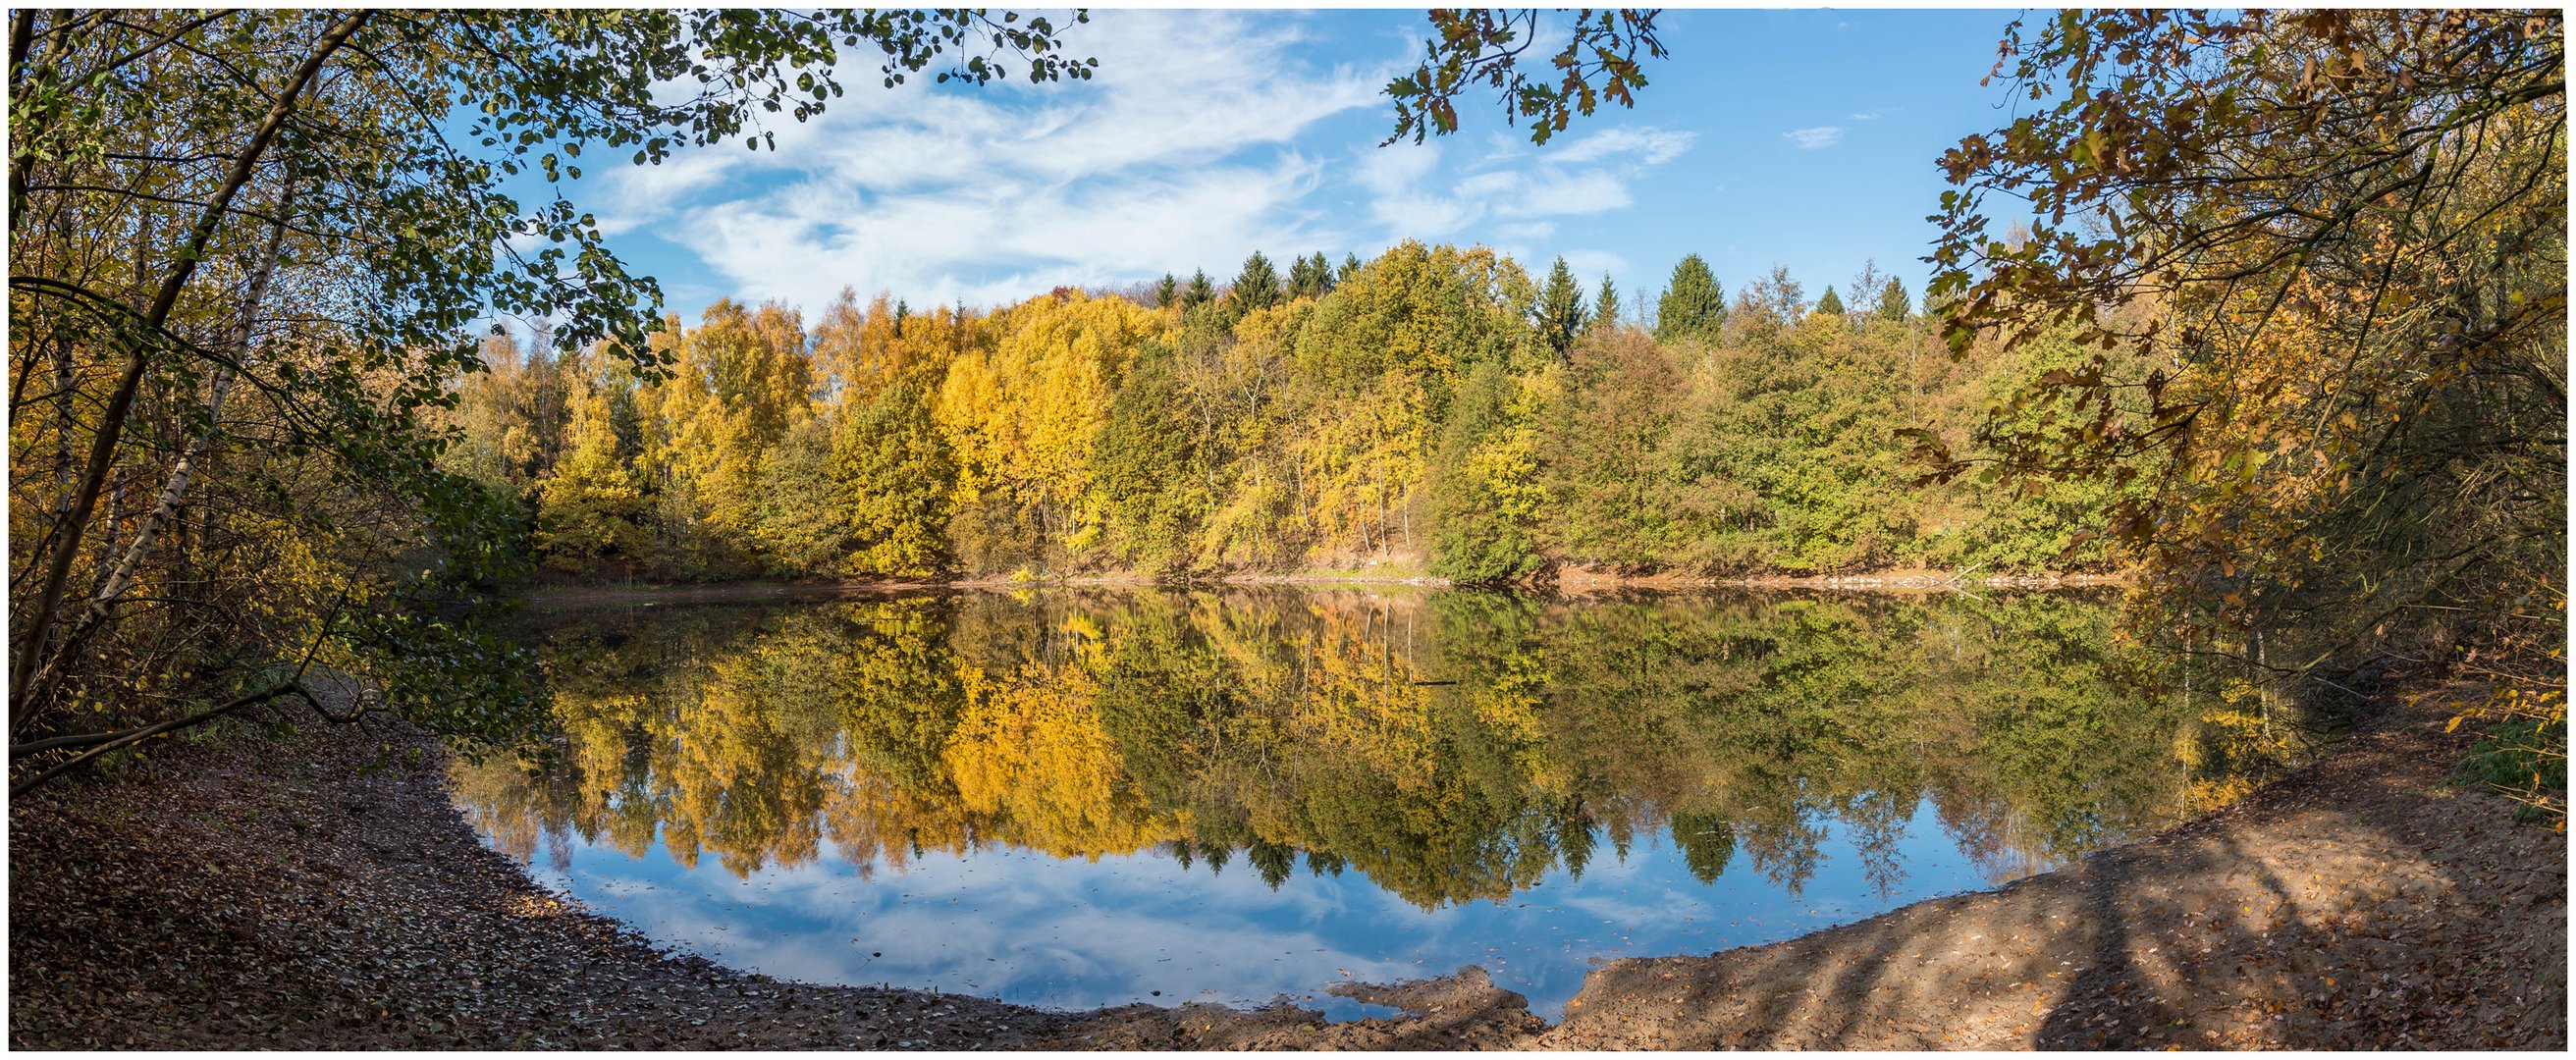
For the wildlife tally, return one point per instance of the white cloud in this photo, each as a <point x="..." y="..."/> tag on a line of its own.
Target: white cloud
<point x="1191" y="147"/>
<point x="1589" y="265"/>
<point x="1866" y="115"/>
<point x="1811" y="139"/>
<point x="1517" y="189"/>
<point x="1170" y="157"/>
<point x="1652" y="146"/>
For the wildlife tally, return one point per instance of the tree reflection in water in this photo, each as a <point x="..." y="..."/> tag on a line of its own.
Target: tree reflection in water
<point x="1452" y="746"/>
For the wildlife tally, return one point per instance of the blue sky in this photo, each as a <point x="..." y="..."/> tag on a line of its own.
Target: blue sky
<point x="1799" y="138"/>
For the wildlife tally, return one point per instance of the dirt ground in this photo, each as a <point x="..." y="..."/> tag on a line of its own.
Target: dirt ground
<point x="258" y="891"/>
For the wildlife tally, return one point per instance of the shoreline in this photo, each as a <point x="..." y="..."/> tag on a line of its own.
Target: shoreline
<point x="1568" y="582"/>
<point x="2369" y="889"/>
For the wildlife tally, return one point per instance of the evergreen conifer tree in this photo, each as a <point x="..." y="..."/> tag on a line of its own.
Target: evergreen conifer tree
<point x="1560" y="311"/>
<point x="1893" y="303"/>
<point x="1350" y="268"/>
<point x="1166" y="291"/>
<point x="1693" y="305"/>
<point x="1200" y="292"/>
<point x="1308" y="276"/>
<point x="1605" y="307"/>
<point x="1831" y="304"/>
<point x="1256" y="287"/>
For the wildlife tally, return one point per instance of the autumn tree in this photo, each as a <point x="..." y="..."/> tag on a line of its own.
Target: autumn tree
<point x="1023" y="419"/>
<point x="277" y="209"/>
<point x="1597" y="61"/>
<point x="2337" y="238"/>
<point x="590" y="503"/>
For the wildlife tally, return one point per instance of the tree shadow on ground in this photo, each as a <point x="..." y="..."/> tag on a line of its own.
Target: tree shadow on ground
<point x="2362" y="902"/>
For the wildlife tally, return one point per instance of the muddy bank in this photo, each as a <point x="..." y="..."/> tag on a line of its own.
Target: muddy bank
<point x="257" y="890"/>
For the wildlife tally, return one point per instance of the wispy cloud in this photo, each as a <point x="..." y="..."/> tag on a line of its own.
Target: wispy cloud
<point x="1518" y="189"/>
<point x="1817" y="137"/>
<point x="986" y="196"/>
<point x="1652" y="147"/>
<point x="1866" y="115"/>
<point x="1169" y="159"/>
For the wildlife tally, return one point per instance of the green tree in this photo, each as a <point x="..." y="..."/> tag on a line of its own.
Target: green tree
<point x="796" y="527"/>
<point x="1484" y="491"/>
<point x="1310" y="277"/>
<point x="1152" y="477"/>
<point x="1605" y="445"/>
<point x="893" y="478"/>
<point x="1831" y="305"/>
<point x="1256" y="287"/>
<point x="1893" y="303"/>
<point x="1605" y="308"/>
<point x="1693" y="306"/>
<point x="1559" y="313"/>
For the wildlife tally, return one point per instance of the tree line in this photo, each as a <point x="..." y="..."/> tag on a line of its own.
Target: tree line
<point x="236" y="309"/>
<point x="1435" y="409"/>
<point x="2269" y="307"/>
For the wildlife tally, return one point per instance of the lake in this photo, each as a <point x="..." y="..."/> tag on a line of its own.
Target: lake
<point x="1071" y="798"/>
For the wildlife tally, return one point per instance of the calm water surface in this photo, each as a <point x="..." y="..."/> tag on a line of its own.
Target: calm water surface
<point x="1076" y="799"/>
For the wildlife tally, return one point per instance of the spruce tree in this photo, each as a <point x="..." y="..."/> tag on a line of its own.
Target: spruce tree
<point x="1893" y="303"/>
<point x="1310" y="276"/>
<point x="1605" y="307"/>
<point x="1165" y="291"/>
<point x="1200" y="292"/>
<point x="1831" y="304"/>
<point x="1693" y="305"/>
<point x="1350" y="268"/>
<point x="1256" y="287"/>
<point x="1559" y="312"/>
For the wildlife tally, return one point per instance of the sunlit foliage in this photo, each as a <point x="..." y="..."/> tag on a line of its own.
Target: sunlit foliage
<point x="2312" y="270"/>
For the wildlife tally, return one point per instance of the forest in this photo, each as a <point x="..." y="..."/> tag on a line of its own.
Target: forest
<point x="2265" y="311"/>
<point x="375" y="515"/>
<point x="1434" y="409"/>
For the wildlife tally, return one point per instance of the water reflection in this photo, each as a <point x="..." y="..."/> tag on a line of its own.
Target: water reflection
<point x="1077" y="799"/>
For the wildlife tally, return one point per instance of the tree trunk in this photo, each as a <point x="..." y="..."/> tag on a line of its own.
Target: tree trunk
<point x="174" y="491"/>
<point x="37" y="632"/>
